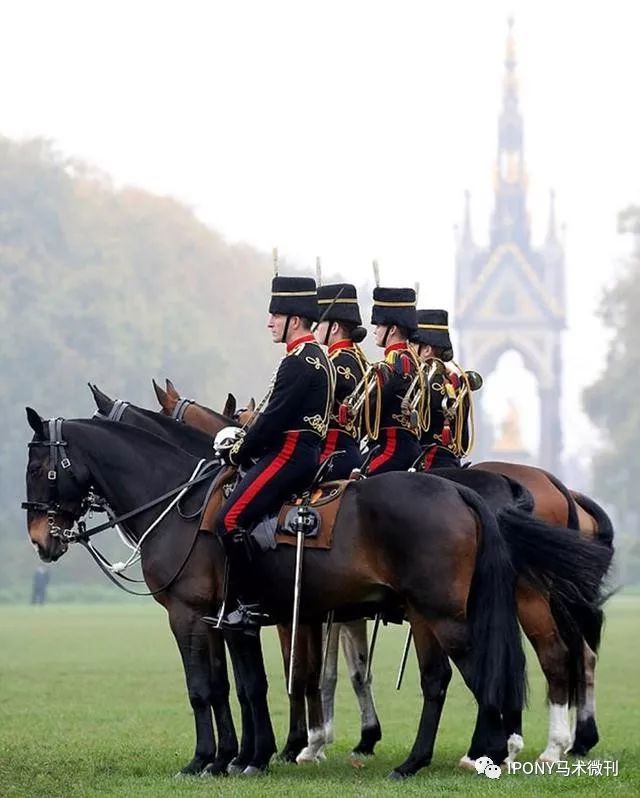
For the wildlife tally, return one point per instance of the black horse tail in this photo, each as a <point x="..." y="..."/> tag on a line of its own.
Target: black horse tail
<point x="572" y="512"/>
<point x="552" y="556"/>
<point x="497" y="657"/>
<point x="571" y="568"/>
<point x="592" y="618"/>
<point x="605" y="527"/>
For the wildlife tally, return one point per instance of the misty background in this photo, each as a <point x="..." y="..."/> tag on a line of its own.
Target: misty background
<point x="152" y="154"/>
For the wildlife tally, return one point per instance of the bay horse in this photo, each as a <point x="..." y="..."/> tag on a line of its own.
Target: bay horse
<point x="301" y="745"/>
<point x="352" y="634"/>
<point x="563" y="507"/>
<point x="434" y="546"/>
<point x="562" y="652"/>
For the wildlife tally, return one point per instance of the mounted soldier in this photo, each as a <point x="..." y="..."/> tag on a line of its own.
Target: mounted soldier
<point x="394" y="317"/>
<point x="446" y="435"/>
<point x="341" y="331"/>
<point x="281" y="449"/>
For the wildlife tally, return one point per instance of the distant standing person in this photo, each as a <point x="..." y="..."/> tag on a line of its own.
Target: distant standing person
<point x="40" y="581"/>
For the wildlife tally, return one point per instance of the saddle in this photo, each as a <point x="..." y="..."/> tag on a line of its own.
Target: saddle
<point x="322" y="508"/>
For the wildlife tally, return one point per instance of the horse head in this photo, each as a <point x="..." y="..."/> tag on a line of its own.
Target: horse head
<point x="190" y="412"/>
<point x="57" y="488"/>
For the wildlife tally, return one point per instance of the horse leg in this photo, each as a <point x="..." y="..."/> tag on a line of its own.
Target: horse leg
<point x="356" y="653"/>
<point x="314" y="750"/>
<point x="539" y="625"/>
<point x="297" y="737"/>
<point x="586" y="732"/>
<point x="246" y="650"/>
<point x="193" y="641"/>
<point x="330" y="681"/>
<point x="435" y="674"/>
<point x="219" y="686"/>
<point x="247" y="739"/>
<point x="489" y="737"/>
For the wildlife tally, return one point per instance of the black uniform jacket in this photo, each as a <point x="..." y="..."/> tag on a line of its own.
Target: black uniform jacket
<point x="398" y="368"/>
<point x="301" y="400"/>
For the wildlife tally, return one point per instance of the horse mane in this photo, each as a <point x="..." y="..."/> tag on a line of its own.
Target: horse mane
<point x="228" y="422"/>
<point x="143" y="438"/>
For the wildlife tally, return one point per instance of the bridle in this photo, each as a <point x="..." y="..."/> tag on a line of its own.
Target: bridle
<point x="58" y="458"/>
<point x="177" y="414"/>
<point x="118" y="409"/>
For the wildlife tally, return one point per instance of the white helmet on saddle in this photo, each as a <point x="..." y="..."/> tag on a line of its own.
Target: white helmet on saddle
<point x="226" y="438"/>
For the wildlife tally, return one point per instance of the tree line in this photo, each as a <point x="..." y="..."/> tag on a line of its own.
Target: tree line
<point x="116" y="285"/>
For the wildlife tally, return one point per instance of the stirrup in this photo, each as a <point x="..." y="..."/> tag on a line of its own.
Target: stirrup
<point x="245" y="618"/>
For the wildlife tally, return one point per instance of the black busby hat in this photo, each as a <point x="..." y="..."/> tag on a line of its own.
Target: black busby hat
<point x="294" y="296"/>
<point x="433" y="329"/>
<point x="394" y="306"/>
<point x="344" y="308"/>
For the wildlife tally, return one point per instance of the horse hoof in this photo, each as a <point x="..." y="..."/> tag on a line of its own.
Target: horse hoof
<point x="309" y="758"/>
<point x="214" y="769"/>
<point x="578" y="750"/>
<point x="235" y="770"/>
<point x="288" y="757"/>
<point x="395" y="775"/>
<point x="195" y="768"/>
<point x="466" y="763"/>
<point x="253" y="772"/>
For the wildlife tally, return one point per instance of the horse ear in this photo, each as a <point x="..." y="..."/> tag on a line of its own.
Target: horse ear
<point x="36" y="422"/>
<point x="171" y="390"/>
<point x="103" y="402"/>
<point x="230" y="406"/>
<point x="252" y="404"/>
<point x="161" y="394"/>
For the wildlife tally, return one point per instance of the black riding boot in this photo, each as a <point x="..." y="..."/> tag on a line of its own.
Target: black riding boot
<point x="241" y="609"/>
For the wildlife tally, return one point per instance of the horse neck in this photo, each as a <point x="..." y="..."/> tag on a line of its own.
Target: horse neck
<point x="128" y="466"/>
<point x="206" y="419"/>
<point x="190" y="439"/>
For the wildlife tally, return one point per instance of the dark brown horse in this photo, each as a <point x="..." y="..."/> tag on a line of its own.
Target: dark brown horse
<point x="564" y="656"/>
<point x="433" y="546"/>
<point x="300" y="744"/>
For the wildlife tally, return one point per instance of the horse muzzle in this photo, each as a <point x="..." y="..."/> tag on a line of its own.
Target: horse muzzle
<point x="49" y="538"/>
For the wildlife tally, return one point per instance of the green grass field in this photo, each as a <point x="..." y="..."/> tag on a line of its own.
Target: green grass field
<point x="92" y="702"/>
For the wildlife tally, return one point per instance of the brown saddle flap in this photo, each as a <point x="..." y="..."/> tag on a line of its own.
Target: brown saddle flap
<point x="325" y="500"/>
<point x="216" y="498"/>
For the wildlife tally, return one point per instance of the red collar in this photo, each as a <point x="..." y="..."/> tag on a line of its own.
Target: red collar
<point x="395" y="347"/>
<point x="345" y="343"/>
<point x="304" y="339"/>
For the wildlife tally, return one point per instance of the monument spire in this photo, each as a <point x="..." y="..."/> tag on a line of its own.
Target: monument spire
<point x="510" y="220"/>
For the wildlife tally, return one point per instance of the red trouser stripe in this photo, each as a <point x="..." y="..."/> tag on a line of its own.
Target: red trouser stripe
<point x="387" y="453"/>
<point x="429" y="458"/>
<point x="330" y="444"/>
<point x="280" y="460"/>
